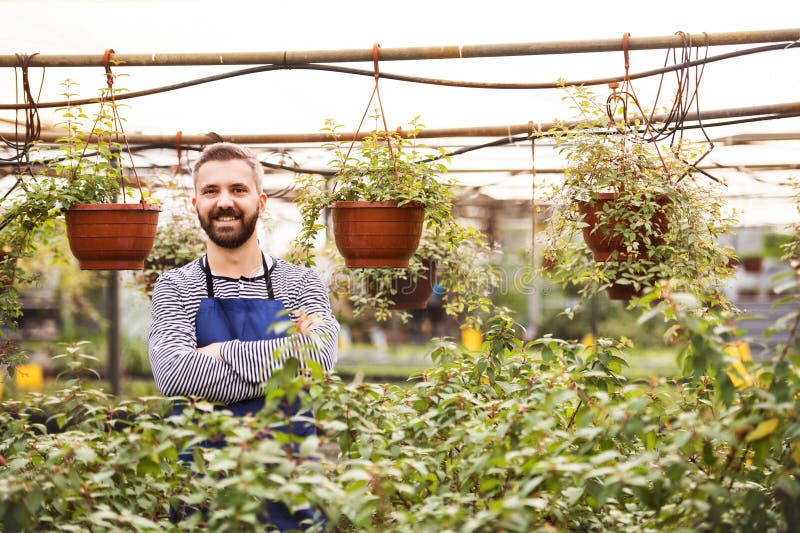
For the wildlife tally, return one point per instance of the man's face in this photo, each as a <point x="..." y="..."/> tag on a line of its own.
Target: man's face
<point x="227" y="201"/>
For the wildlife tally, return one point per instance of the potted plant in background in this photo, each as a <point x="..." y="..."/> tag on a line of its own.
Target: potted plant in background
<point x="178" y="240"/>
<point x="455" y="260"/>
<point x="753" y="262"/>
<point x="380" y="198"/>
<point x="632" y="214"/>
<point x="176" y="243"/>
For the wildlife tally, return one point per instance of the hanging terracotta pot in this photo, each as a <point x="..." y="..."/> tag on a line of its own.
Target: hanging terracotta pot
<point x="377" y="234"/>
<point x="753" y="264"/>
<point x="111" y="236"/>
<point x="412" y="294"/>
<point x="607" y="244"/>
<point x="599" y="233"/>
<point x="622" y="292"/>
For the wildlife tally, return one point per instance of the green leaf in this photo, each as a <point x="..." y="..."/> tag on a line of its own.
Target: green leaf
<point x="33" y="501"/>
<point x="573" y="494"/>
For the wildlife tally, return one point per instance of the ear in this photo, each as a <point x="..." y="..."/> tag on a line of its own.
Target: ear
<point x="262" y="202"/>
<point x="194" y="201"/>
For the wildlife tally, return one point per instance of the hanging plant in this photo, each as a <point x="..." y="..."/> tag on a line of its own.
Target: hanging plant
<point x="83" y="184"/>
<point x="104" y="234"/>
<point x="380" y="198"/>
<point x="650" y="221"/>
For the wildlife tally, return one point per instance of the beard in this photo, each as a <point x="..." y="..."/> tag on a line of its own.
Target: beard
<point x="228" y="237"/>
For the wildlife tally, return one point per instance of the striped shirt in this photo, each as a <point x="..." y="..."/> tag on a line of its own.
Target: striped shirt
<point x="180" y="370"/>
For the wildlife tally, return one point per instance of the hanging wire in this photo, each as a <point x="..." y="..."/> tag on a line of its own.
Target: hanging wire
<point x="32" y="124"/>
<point x="119" y="132"/>
<point x="686" y="97"/>
<point x="375" y="91"/>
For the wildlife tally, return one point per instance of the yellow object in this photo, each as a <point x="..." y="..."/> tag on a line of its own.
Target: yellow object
<point x="762" y="430"/>
<point x="590" y="342"/>
<point x="739" y="349"/>
<point x="739" y="375"/>
<point x="471" y="339"/>
<point x="29" y="378"/>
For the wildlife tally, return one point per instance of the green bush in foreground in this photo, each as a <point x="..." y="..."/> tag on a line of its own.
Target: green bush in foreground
<point x="519" y="437"/>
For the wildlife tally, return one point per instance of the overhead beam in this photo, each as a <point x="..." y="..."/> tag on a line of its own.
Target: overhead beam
<point x="300" y="57"/>
<point x="769" y="111"/>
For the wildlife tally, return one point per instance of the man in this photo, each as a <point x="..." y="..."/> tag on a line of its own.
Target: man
<point x="212" y="333"/>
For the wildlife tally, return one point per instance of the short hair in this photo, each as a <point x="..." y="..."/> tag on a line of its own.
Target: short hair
<point x="225" y="151"/>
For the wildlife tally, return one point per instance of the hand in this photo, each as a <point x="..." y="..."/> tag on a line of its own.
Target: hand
<point x="212" y="349"/>
<point x="306" y="323"/>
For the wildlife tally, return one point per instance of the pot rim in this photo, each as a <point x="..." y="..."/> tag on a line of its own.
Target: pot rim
<point x="361" y="204"/>
<point x="138" y="206"/>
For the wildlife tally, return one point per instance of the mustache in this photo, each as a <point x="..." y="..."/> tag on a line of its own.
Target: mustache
<point x="225" y="212"/>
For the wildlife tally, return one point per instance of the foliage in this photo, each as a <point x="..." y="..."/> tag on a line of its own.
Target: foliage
<point x="606" y="317"/>
<point x="87" y="169"/>
<point x="668" y="221"/>
<point x="775" y="243"/>
<point x="514" y="437"/>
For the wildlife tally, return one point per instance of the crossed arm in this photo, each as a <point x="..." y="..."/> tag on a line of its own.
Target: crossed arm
<point x="235" y="370"/>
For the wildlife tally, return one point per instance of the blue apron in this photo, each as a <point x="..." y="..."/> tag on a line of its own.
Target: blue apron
<point x="251" y="319"/>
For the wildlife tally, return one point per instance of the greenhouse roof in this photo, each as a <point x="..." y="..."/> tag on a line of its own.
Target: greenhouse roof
<point x="277" y="109"/>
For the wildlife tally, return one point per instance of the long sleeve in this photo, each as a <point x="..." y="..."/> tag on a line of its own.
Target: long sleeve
<point x="179" y="370"/>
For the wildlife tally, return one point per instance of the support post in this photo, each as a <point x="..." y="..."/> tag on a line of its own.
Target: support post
<point x="114" y="356"/>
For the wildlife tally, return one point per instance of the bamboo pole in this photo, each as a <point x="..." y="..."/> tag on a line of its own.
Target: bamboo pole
<point x="299" y="57"/>
<point x="168" y="141"/>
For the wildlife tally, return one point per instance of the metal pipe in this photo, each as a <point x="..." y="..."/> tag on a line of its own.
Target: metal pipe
<point x="300" y="57"/>
<point x="113" y="339"/>
<point x="168" y="141"/>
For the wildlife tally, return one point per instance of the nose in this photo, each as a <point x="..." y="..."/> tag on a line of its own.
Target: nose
<point x="224" y="199"/>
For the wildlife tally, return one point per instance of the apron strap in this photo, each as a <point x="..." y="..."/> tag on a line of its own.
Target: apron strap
<point x="210" y="280"/>
<point x="268" y="277"/>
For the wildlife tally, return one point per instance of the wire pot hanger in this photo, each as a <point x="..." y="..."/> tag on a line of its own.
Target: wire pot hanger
<point x="119" y="132"/>
<point x="375" y="92"/>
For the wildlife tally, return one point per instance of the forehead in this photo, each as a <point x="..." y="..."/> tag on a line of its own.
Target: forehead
<point x="225" y="173"/>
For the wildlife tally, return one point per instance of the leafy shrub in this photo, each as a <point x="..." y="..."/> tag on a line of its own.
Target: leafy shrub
<point x="515" y="437"/>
